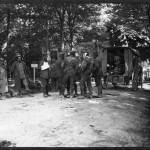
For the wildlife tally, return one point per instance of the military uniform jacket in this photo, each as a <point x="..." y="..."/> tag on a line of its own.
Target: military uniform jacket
<point x="15" y="71"/>
<point x="57" y="69"/>
<point x="87" y="66"/>
<point x="70" y="64"/>
<point x="97" y="67"/>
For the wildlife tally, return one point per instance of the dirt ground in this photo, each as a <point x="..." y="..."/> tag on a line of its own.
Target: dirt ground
<point x="119" y="119"/>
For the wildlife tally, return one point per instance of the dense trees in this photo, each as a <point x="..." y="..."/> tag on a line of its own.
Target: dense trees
<point x="26" y="28"/>
<point x="130" y="26"/>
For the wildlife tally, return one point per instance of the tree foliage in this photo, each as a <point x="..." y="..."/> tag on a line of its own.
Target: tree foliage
<point x="130" y="25"/>
<point x="27" y="28"/>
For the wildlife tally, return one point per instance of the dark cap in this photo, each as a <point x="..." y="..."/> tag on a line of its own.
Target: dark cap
<point x="72" y="53"/>
<point x="95" y="53"/>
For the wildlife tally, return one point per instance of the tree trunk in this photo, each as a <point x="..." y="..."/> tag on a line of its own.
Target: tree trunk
<point x="47" y="35"/>
<point x="29" y="34"/>
<point x="71" y="21"/>
<point x="62" y="46"/>
<point x="61" y="13"/>
<point x="8" y="27"/>
<point x="148" y="12"/>
<point x="62" y="19"/>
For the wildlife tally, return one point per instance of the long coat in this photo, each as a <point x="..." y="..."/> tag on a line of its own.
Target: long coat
<point x="16" y="75"/>
<point x="3" y="80"/>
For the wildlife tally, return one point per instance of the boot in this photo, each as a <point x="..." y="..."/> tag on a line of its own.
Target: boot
<point x="47" y="91"/>
<point x="90" y="92"/>
<point x="72" y="93"/>
<point x="85" y="89"/>
<point x="44" y="92"/>
<point x="1" y="97"/>
<point x="62" y="93"/>
<point x="20" y="94"/>
<point x="76" y="89"/>
<point x="68" y="91"/>
<point x="99" y="89"/>
<point x="82" y="94"/>
<point x="29" y="94"/>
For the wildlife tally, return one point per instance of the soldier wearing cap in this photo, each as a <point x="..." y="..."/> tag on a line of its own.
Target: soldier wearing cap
<point x="97" y="73"/>
<point x="44" y="66"/>
<point x="57" y="72"/>
<point x="69" y="69"/>
<point x="19" y="71"/>
<point x="77" y="76"/>
<point x="86" y="72"/>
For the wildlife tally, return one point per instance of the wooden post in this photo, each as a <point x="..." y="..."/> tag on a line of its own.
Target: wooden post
<point x="34" y="74"/>
<point x="34" y="66"/>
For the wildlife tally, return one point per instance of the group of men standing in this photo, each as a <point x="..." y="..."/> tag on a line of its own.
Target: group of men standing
<point x="67" y="71"/>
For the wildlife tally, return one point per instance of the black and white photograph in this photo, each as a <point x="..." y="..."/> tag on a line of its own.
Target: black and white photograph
<point x="74" y="73"/>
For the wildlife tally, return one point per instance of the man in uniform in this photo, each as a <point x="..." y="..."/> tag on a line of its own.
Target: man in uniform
<point x="54" y="76"/>
<point x="97" y="73"/>
<point x="44" y="74"/>
<point x="77" y="77"/>
<point x="70" y="69"/>
<point x="86" y="71"/>
<point x="59" y="72"/>
<point x="19" y="71"/>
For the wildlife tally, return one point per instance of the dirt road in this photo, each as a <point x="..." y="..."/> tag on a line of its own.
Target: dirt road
<point x="120" y="118"/>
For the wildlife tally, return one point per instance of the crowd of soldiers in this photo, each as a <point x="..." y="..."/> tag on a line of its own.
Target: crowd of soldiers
<point x="65" y="71"/>
<point x="70" y="70"/>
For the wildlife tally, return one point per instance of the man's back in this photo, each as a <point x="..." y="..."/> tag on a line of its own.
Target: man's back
<point x="87" y="66"/>
<point x="70" y="63"/>
<point x="58" y="69"/>
<point x="97" y="67"/>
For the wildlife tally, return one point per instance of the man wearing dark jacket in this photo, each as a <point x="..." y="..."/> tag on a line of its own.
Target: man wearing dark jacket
<point x="70" y="69"/>
<point x="44" y="74"/>
<point x="97" y="73"/>
<point x="77" y="76"/>
<point x="54" y="75"/>
<point x="19" y="71"/>
<point x="86" y="70"/>
<point x="57" y="72"/>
